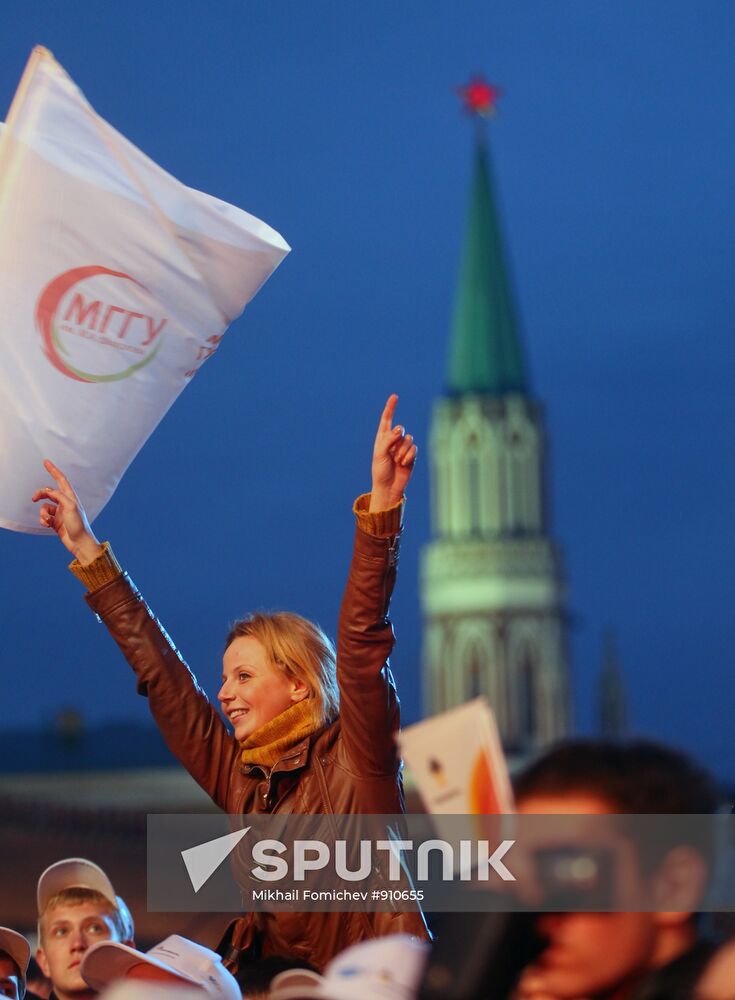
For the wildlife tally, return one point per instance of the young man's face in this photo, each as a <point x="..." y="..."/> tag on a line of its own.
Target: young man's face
<point x="67" y="931"/>
<point x="588" y="954"/>
<point x="9" y="986"/>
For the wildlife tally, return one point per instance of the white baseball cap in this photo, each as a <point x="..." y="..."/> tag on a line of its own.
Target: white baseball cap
<point x="133" y="990"/>
<point x="73" y="873"/>
<point x="192" y="963"/>
<point x="17" y="948"/>
<point x="386" y="968"/>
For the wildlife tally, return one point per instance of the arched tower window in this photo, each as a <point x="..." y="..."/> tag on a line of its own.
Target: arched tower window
<point x="475" y="687"/>
<point x="527" y="691"/>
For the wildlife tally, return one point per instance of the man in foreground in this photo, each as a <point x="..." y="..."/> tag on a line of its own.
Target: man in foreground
<point x="620" y="956"/>
<point x="77" y="908"/>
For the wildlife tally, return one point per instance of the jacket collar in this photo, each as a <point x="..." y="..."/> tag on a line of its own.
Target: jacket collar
<point x="297" y="756"/>
<point x="293" y="759"/>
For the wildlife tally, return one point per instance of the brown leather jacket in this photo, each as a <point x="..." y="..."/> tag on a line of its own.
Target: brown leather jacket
<point x="350" y="766"/>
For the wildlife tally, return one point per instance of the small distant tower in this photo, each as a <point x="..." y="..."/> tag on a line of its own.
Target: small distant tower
<point x="612" y="700"/>
<point x="492" y="589"/>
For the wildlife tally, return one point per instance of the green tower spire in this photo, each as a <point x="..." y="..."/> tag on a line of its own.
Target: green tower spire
<point x="486" y="354"/>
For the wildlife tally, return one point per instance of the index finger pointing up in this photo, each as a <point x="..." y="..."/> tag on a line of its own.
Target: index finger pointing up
<point x="386" y="418"/>
<point x="59" y="476"/>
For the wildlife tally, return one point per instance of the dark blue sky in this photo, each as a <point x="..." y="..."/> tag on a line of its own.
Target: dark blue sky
<point x="337" y="124"/>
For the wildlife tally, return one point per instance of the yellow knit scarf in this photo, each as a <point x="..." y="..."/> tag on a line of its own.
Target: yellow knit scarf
<point x="268" y="744"/>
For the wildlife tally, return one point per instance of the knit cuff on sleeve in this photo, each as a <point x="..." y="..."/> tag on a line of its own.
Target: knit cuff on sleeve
<point x="100" y="571"/>
<point x="381" y="523"/>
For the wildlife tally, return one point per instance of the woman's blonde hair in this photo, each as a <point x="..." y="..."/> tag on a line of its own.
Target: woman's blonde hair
<point x="301" y="650"/>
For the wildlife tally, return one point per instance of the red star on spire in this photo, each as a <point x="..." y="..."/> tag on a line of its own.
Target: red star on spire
<point x="479" y="97"/>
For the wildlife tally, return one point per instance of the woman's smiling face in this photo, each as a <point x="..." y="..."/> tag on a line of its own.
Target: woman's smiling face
<point x="254" y="690"/>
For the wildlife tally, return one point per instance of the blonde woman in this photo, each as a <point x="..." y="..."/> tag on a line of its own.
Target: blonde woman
<point x="312" y="731"/>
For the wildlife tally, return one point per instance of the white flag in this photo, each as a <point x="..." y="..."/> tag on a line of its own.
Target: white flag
<point x="116" y="283"/>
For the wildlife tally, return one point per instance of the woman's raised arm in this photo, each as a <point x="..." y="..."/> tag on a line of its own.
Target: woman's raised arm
<point x="368" y="703"/>
<point x="190" y="725"/>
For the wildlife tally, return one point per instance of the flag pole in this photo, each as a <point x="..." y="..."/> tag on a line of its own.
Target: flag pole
<point x="39" y="52"/>
<point x="9" y="168"/>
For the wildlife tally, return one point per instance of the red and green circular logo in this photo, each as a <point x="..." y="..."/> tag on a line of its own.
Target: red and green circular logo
<point x="98" y="325"/>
